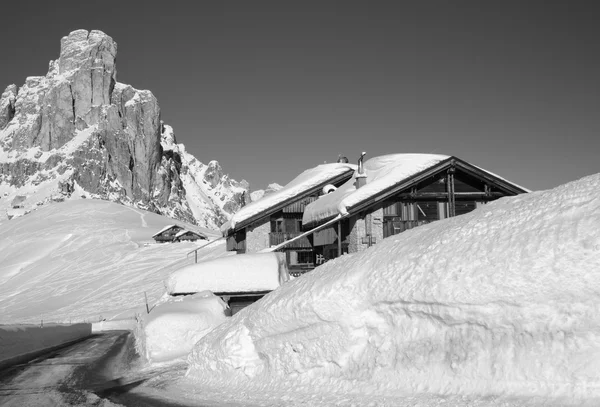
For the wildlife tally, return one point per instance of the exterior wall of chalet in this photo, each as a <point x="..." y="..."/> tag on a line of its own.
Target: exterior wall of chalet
<point x="445" y="194"/>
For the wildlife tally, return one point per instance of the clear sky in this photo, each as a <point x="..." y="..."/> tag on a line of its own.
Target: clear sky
<point x="272" y="88"/>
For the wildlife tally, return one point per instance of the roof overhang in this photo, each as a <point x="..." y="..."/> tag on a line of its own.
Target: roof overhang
<point x="450" y="162"/>
<point x="271" y="210"/>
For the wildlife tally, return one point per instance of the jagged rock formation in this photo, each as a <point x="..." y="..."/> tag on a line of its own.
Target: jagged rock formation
<point x="77" y="131"/>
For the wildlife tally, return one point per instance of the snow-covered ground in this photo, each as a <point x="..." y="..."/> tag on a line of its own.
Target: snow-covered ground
<point x="86" y="260"/>
<point x="497" y="307"/>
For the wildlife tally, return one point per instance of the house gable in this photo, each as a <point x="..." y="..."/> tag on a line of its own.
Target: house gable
<point x="471" y="179"/>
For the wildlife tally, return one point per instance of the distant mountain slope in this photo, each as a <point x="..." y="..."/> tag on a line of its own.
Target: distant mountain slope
<point x="86" y="259"/>
<point x="78" y="132"/>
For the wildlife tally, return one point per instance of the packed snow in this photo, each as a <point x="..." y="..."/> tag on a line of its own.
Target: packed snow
<point x="503" y="302"/>
<point x="175" y="324"/>
<point x="303" y="182"/>
<point x="87" y="260"/>
<point x="234" y="274"/>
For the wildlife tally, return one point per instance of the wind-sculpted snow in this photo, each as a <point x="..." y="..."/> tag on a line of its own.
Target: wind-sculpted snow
<point x="502" y="301"/>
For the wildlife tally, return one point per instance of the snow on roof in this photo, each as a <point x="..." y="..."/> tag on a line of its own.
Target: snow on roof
<point x="382" y="172"/>
<point x="165" y="229"/>
<point x="184" y="231"/>
<point x="310" y="178"/>
<point x="516" y="313"/>
<point x="235" y="274"/>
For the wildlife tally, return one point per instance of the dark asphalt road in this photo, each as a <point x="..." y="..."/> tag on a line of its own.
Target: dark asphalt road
<point x="82" y="374"/>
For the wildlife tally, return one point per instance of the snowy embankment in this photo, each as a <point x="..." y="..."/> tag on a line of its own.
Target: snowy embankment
<point x="20" y="343"/>
<point x="86" y="260"/>
<point x="502" y="301"/>
<point x="178" y="321"/>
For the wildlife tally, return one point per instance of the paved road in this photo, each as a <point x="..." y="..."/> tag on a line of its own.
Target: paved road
<point x="63" y="376"/>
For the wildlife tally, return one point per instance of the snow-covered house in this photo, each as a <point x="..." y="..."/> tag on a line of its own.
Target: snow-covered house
<point x="189" y="236"/>
<point x="176" y="233"/>
<point x="392" y="193"/>
<point x="167" y="234"/>
<point x="277" y="217"/>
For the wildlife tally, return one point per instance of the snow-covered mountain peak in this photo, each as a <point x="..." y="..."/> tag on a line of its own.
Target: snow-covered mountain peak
<point x="77" y="132"/>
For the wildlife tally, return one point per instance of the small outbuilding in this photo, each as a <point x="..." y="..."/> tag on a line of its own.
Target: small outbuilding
<point x="167" y="234"/>
<point x="189" y="236"/>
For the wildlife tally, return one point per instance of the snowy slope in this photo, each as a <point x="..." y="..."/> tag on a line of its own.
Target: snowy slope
<point x="504" y="300"/>
<point x="86" y="259"/>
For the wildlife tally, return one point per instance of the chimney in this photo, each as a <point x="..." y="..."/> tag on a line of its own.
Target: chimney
<point x="361" y="175"/>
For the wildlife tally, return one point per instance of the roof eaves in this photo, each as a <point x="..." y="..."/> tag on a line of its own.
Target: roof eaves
<point x="246" y="222"/>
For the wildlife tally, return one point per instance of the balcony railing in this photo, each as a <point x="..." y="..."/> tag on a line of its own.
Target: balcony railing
<point x="276" y="238"/>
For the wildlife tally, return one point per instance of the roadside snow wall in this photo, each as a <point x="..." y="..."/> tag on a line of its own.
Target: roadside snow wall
<point x="20" y="343"/>
<point x="504" y="300"/>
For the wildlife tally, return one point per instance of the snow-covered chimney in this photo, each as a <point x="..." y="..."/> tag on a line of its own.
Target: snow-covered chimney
<point x="361" y="175"/>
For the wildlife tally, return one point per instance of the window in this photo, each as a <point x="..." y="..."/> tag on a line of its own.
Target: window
<point x="305" y="257"/>
<point x="277" y="225"/>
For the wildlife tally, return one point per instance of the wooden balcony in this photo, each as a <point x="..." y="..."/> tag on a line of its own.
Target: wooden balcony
<point x="276" y="238"/>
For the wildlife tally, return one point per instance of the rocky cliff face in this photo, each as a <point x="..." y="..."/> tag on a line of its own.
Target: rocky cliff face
<point x="77" y="132"/>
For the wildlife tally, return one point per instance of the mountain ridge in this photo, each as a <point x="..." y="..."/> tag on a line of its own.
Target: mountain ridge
<point x="79" y="133"/>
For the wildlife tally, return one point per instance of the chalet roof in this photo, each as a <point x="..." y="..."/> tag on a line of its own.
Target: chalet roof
<point x="386" y="175"/>
<point x="165" y="229"/>
<point x="184" y="231"/>
<point x="304" y="184"/>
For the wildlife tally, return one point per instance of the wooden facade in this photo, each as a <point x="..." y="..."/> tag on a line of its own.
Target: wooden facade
<point x="280" y="224"/>
<point x="451" y="188"/>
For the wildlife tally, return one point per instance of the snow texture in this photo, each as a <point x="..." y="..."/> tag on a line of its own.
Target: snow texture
<point x="87" y="260"/>
<point x="177" y="323"/>
<point x="303" y="182"/>
<point x="234" y="274"/>
<point x="503" y="301"/>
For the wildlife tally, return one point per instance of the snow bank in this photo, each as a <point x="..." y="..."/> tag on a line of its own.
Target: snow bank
<point x="234" y="274"/>
<point x="303" y="182"/>
<point x="382" y="172"/>
<point x="19" y="343"/>
<point x="504" y="300"/>
<point x="175" y="325"/>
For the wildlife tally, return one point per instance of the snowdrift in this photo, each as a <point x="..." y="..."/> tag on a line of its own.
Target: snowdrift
<point x="176" y="324"/>
<point x="504" y="300"/>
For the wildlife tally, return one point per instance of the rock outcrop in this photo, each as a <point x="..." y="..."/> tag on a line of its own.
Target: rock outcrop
<point x="78" y="126"/>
